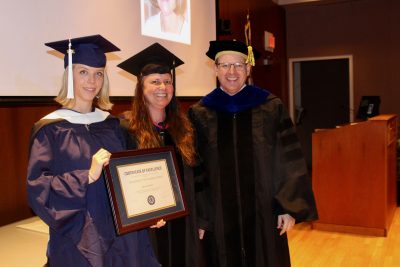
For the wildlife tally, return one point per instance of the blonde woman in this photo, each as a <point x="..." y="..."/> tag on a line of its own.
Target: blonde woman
<point x="69" y="148"/>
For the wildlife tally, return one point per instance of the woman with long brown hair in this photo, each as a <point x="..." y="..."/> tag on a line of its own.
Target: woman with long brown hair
<point x="155" y="120"/>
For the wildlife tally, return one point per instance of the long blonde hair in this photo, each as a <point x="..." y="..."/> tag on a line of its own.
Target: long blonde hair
<point x="102" y="100"/>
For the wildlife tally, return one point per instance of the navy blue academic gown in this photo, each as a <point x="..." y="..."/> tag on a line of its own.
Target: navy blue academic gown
<point x="79" y="215"/>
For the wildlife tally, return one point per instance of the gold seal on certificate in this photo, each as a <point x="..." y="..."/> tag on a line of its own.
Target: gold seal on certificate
<point x="144" y="187"/>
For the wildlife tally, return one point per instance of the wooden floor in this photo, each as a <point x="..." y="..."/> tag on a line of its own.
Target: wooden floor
<point x="329" y="249"/>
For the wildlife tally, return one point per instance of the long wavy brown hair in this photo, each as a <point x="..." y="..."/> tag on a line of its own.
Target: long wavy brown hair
<point x="142" y="127"/>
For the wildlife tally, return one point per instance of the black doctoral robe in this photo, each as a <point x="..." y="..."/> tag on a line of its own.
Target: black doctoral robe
<point x="255" y="171"/>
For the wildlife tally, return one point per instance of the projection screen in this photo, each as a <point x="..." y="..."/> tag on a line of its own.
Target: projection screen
<point x="29" y="68"/>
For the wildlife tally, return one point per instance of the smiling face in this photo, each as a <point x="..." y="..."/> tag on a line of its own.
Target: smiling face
<point x="167" y="6"/>
<point x="231" y="77"/>
<point x="158" y="91"/>
<point x="88" y="82"/>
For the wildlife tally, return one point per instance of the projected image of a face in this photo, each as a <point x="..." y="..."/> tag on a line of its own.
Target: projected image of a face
<point x="167" y="7"/>
<point x="166" y="19"/>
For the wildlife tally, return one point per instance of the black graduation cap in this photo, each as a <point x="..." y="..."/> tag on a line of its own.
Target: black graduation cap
<point x="217" y="48"/>
<point x="88" y="50"/>
<point x="154" y="54"/>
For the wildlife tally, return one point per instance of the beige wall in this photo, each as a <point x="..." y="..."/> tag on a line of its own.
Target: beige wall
<point x="367" y="29"/>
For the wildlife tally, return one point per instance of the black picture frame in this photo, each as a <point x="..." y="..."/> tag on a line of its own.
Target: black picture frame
<point x="144" y="186"/>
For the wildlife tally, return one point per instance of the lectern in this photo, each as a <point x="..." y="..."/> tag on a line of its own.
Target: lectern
<point x="354" y="176"/>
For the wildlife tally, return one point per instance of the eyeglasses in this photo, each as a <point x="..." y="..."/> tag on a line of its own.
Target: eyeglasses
<point x="227" y="66"/>
<point x="158" y="82"/>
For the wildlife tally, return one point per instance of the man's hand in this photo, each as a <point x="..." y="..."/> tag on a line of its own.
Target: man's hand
<point x="201" y="234"/>
<point x="285" y="223"/>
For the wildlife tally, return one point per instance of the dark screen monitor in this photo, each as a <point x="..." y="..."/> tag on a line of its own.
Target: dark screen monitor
<point x="369" y="107"/>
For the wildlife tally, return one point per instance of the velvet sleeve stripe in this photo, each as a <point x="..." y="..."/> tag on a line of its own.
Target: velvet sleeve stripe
<point x="286" y="124"/>
<point x="293" y="155"/>
<point x="289" y="139"/>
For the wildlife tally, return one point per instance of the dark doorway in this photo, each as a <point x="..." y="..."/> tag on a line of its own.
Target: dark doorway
<point x="322" y="98"/>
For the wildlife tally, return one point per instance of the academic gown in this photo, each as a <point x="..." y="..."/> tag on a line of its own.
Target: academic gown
<point x="255" y="171"/>
<point x="79" y="215"/>
<point x="177" y="243"/>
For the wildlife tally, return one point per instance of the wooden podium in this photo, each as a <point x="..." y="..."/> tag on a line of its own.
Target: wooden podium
<point x="354" y="176"/>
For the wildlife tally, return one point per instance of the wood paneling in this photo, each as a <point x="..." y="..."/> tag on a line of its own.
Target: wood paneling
<point x="14" y="135"/>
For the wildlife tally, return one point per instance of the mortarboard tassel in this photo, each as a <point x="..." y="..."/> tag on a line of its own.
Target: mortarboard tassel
<point x="247" y="32"/>
<point x="173" y="75"/>
<point x="250" y="56"/>
<point x="70" y="92"/>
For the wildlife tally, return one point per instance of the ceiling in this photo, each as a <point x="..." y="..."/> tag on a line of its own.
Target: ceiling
<point x="289" y="2"/>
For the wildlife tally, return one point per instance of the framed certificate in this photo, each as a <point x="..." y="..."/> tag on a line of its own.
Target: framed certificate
<point x="144" y="187"/>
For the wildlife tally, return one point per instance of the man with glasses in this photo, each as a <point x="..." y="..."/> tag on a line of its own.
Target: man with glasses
<point x="257" y="186"/>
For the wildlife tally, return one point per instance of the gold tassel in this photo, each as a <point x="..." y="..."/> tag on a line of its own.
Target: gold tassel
<point x="250" y="56"/>
<point x="247" y="32"/>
